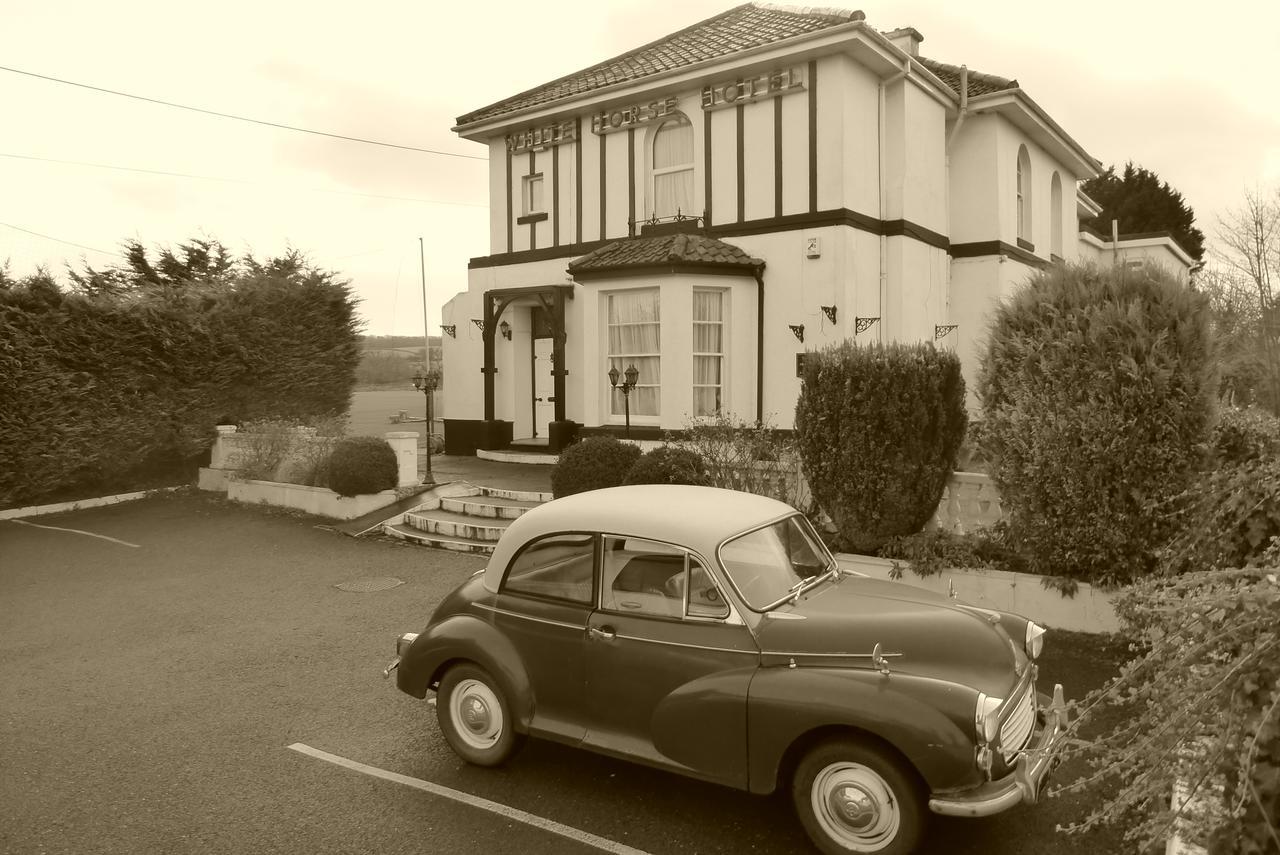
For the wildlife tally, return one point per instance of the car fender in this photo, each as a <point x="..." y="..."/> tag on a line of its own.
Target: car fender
<point x="928" y="721"/>
<point x="466" y="637"/>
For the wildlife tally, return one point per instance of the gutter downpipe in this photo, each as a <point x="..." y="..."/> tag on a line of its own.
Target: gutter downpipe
<point x="881" y="109"/>
<point x="759" y="274"/>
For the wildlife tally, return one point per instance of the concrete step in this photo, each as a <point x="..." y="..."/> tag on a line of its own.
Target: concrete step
<point x="493" y="507"/>
<point x="518" y="495"/>
<point x="455" y="544"/>
<point x="448" y="524"/>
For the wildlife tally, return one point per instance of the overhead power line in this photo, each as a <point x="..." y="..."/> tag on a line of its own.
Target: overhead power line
<point x="234" y="180"/>
<point x="239" y="118"/>
<point x="59" y="240"/>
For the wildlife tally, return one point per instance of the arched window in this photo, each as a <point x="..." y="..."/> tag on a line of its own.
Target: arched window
<point x="1055" y="215"/>
<point x="1024" y="194"/>
<point x="671" y="174"/>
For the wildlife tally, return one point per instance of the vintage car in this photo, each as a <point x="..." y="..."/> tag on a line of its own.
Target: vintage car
<point x="711" y="633"/>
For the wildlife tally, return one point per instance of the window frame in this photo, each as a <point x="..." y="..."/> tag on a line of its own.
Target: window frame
<point x="676" y="119"/>
<point x="624" y="359"/>
<point x="588" y="604"/>
<point x="1023" y="195"/>
<point x="526" y="194"/>
<point x="721" y="355"/>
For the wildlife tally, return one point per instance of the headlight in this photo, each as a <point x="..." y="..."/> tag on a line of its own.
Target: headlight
<point x="1035" y="640"/>
<point x="986" y="718"/>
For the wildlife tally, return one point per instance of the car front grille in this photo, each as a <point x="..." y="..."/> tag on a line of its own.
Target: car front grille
<point x="1017" y="728"/>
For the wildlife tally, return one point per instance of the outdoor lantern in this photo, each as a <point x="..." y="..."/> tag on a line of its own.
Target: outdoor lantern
<point x="632" y="375"/>
<point x="505" y="329"/>
<point x="613" y="376"/>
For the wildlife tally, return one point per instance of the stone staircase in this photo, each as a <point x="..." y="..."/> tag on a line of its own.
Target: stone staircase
<point x="468" y="519"/>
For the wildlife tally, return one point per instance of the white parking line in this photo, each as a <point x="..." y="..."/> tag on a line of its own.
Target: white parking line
<point x="516" y="814"/>
<point x="77" y="531"/>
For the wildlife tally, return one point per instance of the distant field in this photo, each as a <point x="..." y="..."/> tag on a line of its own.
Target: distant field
<point x="371" y="411"/>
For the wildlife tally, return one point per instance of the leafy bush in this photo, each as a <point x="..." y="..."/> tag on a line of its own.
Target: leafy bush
<point x="748" y="457"/>
<point x="1226" y="518"/>
<point x="592" y="464"/>
<point x="878" y="429"/>
<point x="133" y="367"/>
<point x="362" y="464"/>
<point x="1097" y="392"/>
<point x="668" y="465"/>
<point x="1198" y="706"/>
<point x="931" y="551"/>
<point x="1245" y="434"/>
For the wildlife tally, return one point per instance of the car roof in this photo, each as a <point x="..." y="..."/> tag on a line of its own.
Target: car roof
<point x="700" y="518"/>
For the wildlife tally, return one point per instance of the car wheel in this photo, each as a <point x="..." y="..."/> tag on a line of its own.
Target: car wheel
<point x="475" y="716"/>
<point x="853" y="797"/>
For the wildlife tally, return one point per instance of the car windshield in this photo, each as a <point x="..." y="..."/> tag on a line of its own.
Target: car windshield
<point x="770" y="564"/>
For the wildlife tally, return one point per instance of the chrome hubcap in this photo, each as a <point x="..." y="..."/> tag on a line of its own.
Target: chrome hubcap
<point x="855" y="807"/>
<point x="476" y="714"/>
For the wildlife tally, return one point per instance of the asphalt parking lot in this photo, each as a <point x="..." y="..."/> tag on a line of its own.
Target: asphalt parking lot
<point x="175" y="669"/>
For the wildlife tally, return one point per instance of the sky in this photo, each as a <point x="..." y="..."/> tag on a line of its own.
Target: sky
<point x="1186" y="90"/>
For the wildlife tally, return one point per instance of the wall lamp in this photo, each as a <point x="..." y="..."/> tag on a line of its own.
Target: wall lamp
<point x="505" y="329"/>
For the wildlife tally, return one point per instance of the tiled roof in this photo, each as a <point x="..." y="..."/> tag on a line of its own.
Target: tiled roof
<point x="667" y="250"/>
<point x="979" y="83"/>
<point x="740" y="28"/>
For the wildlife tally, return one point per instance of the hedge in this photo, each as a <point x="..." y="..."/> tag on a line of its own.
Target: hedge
<point x="1097" y="393"/>
<point x="878" y="428"/>
<point x="101" y="382"/>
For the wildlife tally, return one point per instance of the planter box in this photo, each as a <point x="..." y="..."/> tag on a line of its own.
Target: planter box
<point x="314" y="500"/>
<point x="1090" y="610"/>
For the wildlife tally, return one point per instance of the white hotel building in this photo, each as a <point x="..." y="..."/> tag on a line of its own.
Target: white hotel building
<point x="709" y="206"/>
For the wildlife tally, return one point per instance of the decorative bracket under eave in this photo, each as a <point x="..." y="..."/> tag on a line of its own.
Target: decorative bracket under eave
<point x="861" y="325"/>
<point x="798" y="331"/>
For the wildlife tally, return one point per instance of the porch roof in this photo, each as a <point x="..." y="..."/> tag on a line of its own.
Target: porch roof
<point x="675" y="253"/>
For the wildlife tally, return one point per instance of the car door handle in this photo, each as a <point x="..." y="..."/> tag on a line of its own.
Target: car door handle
<point x="603" y="633"/>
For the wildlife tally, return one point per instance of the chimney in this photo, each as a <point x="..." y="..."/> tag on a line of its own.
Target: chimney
<point x="907" y="38"/>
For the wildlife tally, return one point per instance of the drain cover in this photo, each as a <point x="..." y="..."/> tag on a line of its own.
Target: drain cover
<point x="368" y="586"/>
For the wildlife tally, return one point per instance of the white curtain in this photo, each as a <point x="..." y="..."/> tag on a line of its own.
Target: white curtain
<point x="634" y="339"/>
<point x="708" y="351"/>
<point x="673" y="169"/>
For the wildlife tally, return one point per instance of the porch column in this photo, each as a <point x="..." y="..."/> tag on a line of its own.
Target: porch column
<point x="557" y="352"/>
<point x="489" y="368"/>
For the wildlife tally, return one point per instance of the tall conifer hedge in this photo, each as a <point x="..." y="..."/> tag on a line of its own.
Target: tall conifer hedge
<point x="131" y="369"/>
<point x="878" y="429"/>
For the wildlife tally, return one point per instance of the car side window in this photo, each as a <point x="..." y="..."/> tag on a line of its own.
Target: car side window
<point x="559" y="566"/>
<point x="642" y="577"/>
<point x="650" y="578"/>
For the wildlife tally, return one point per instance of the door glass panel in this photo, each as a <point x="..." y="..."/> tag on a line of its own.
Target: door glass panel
<point x="642" y="577"/>
<point x="559" y="567"/>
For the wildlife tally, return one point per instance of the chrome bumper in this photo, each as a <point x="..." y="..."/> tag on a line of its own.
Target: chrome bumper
<point x="1030" y="771"/>
<point x="402" y="644"/>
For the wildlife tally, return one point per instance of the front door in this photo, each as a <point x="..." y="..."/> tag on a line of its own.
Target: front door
<point x="544" y="387"/>
<point x="667" y="667"/>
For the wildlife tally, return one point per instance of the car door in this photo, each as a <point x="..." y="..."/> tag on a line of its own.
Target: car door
<point x="668" y="663"/>
<point x="543" y="604"/>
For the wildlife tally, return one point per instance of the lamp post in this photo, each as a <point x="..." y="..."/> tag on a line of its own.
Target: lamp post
<point x="426" y="383"/>
<point x="631" y="375"/>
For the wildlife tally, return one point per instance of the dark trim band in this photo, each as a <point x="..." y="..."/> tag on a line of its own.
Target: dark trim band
<point x="980" y="249"/>
<point x="531" y="218"/>
<point x="708" y="269"/>
<point x="813" y="135"/>
<point x="742" y="162"/>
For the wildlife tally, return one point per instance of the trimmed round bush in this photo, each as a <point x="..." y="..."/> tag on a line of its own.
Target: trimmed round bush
<point x="668" y="464"/>
<point x="592" y="464"/>
<point x="362" y="464"/>
<point x="878" y="428"/>
<point x="1098" y="392"/>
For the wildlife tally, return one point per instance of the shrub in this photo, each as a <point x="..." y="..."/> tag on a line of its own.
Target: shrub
<point x="878" y="429"/>
<point x="668" y="465"/>
<point x="362" y="464"/>
<point x="1097" y="395"/>
<point x="931" y="551"/>
<point x="265" y="444"/>
<point x="592" y="464"/>
<point x="748" y="457"/>
<point x="1198" y="706"/>
<point x="1227" y="517"/>
<point x="1245" y="434"/>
